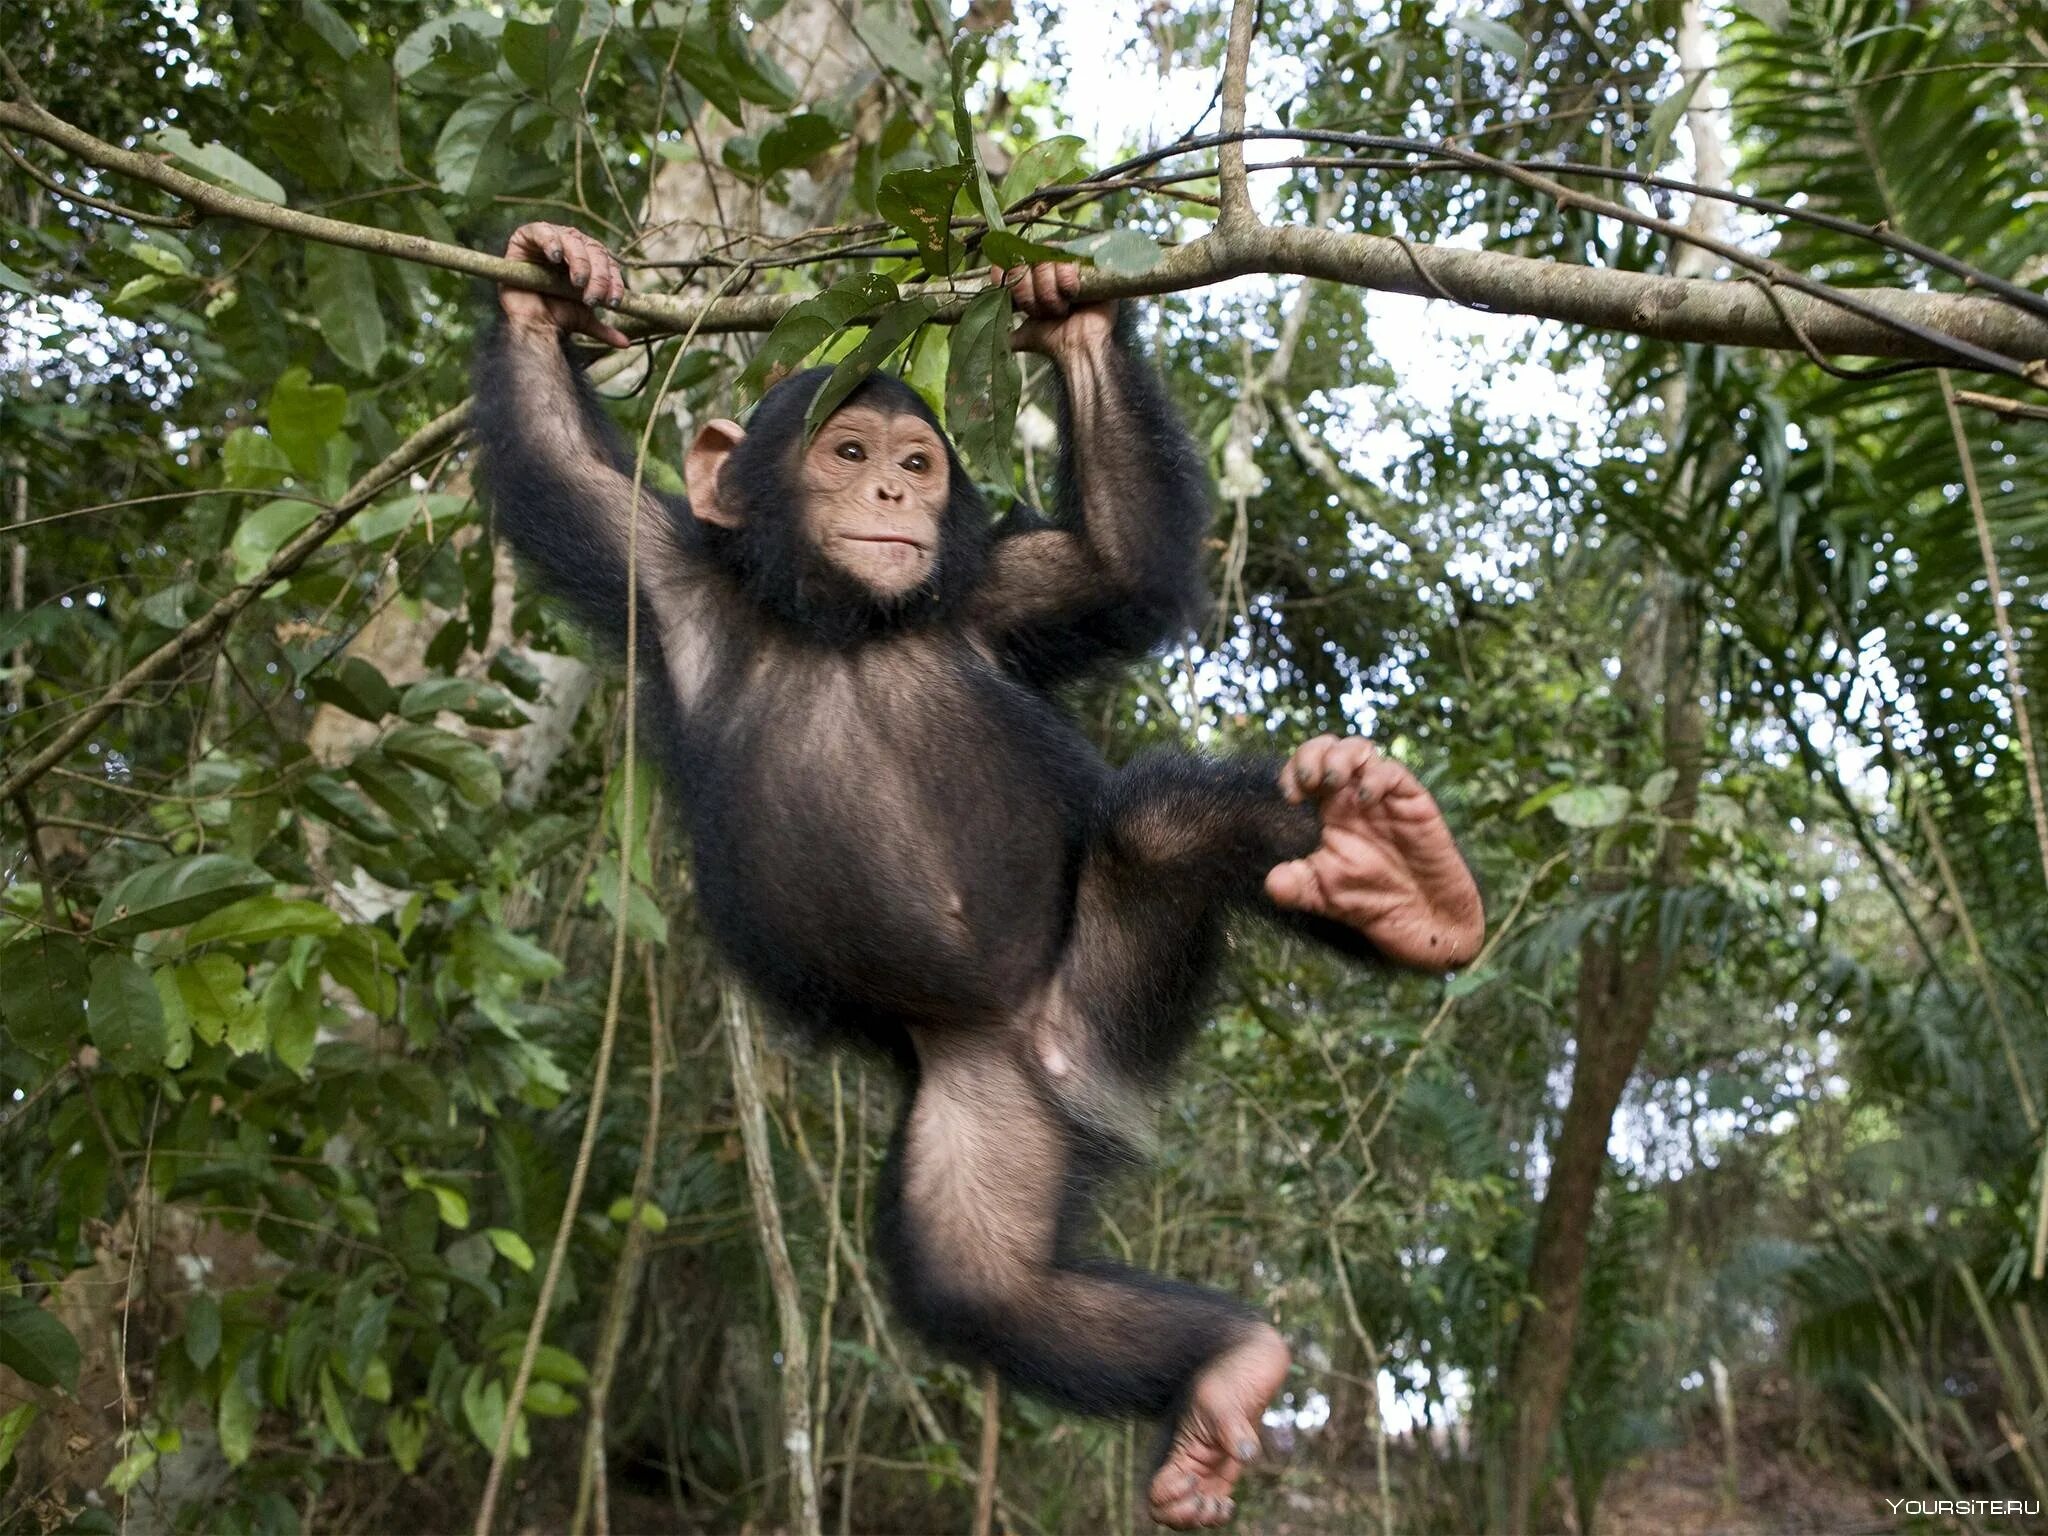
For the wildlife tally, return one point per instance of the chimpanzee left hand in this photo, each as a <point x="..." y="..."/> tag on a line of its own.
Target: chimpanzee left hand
<point x="1053" y="323"/>
<point x="1387" y="865"/>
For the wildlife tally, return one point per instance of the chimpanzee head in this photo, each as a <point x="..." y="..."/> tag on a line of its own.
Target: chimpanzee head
<point x="873" y="525"/>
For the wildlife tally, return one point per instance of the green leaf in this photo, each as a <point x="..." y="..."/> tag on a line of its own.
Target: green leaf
<point x="1049" y="162"/>
<point x="394" y="788"/>
<point x="202" y="1330"/>
<point x="376" y="1382"/>
<point x="754" y="75"/>
<point x="1007" y="250"/>
<point x="965" y="63"/>
<point x="344" y="294"/>
<point x="1497" y="35"/>
<point x="333" y="802"/>
<point x="920" y="203"/>
<point x="513" y="1248"/>
<point x="896" y="47"/>
<point x="129" y="1470"/>
<point x="536" y="51"/>
<point x="176" y="892"/>
<point x="469" y="154"/>
<point x="35" y="1346"/>
<point x="42" y="995"/>
<point x="217" y="162"/>
<point x="406" y="1433"/>
<point x="324" y="24"/>
<point x="211" y="993"/>
<point x="9" y="278"/>
<point x="806" y="327"/>
<point x="13" y="1426"/>
<point x="982" y="386"/>
<point x="303" y="416"/>
<point x="1592" y="805"/>
<point x="125" y="1015"/>
<point x="797" y="140"/>
<point x="291" y="1014"/>
<point x="1657" y="788"/>
<point x="259" y="919"/>
<point x="260" y="535"/>
<point x="464" y="696"/>
<point x="1664" y="122"/>
<point x="356" y="686"/>
<point x="483" y="1405"/>
<point x="336" y="1416"/>
<point x="651" y="1215"/>
<point x="251" y="460"/>
<point x="698" y="61"/>
<point x="237" y="1420"/>
<point x="553" y="1364"/>
<point x="1120" y="250"/>
<point x="436" y="38"/>
<point x="884" y="337"/>
<point x="549" y="1401"/>
<point x="463" y="765"/>
<point x="451" y="1203"/>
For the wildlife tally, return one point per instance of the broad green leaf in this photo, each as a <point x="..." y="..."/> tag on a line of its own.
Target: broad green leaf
<point x="965" y="63"/>
<point x="920" y="203"/>
<point x="362" y="958"/>
<point x="754" y="75"/>
<point x="344" y="294"/>
<point x="406" y="1433"/>
<point x="451" y="1203"/>
<point x="806" y="327"/>
<point x="35" y="1346"/>
<point x="9" y="278"/>
<point x="698" y="61"/>
<point x="896" y="47"/>
<point x="12" y="1427"/>
<point x="982" y="386"/>
<point x="553" y="1364"/>
<point x="483" y="1406"/>
<point x="887" y="334"/>
<point x="1656" y="140"/>
<point x="336" y="804"/>
<point x="356" y="686"/>
<point x="797" y="140"/>
<point x="1120" y="250"/>
<point x="134" y="291"/>
<point x="1592" y="805"/>
<point x="536" y="51"/>
<point x="1497" y="35"/>
<point x="211" y="993"/>
<point x="336" y="1416"/>
<point x="1007" y="250"/>
<point x="651" y="1215"/>
<point x="468" y="154"/>
<point x="394" y="788"/>
<point x="324" y="24"/>
<point x="464" y="696"/>
<point x="129" y="1470"/>
<point x="435" y="37"/>
<point x="376" y="1382"/>
<point x="1657" y="788"/>
<point x="236" y="1420"/>
<point x="291" y="1014"/>
<point x="216" y="162"/>
<point x="125" y="1015"/>
<point x="176" y="892"/>
<point x="513" y="1248"/>
<point x="463" y="765"/>
<point x="202" y="1330"/>
<point x="1049" y="162"/>
<point x="252" y="460"/>
<point x="260" y="535"/>
<point x="259" y="919"/>
<point x="303" y="416"/>
<point x="547" y="1400"/>
<point x="42" y="994"/>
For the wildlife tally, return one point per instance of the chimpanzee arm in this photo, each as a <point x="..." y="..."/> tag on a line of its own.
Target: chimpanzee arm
<point x="560" y="485"/>
<point x="1115" y="573"/>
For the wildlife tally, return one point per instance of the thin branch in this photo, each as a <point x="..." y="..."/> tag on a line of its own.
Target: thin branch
<point x="1236" y="211"/>
<point x="1999" y="405"/>
<point x="1945" y="328"/>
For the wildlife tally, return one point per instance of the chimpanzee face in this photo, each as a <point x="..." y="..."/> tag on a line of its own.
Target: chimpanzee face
<point x="875" y="488"/>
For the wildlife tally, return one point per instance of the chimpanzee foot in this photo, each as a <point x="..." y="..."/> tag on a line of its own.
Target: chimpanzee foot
<point x="1219" y="1433"/>
<point x="1387" y="864"/>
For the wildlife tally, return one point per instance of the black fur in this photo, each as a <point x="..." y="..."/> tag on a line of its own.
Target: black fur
<point x="900" y="838"/>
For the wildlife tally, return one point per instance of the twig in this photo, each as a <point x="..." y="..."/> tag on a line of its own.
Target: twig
<point x="991" y="1438"/>
<point x="1235" y="211"/>
<point x="1999" y="405"/>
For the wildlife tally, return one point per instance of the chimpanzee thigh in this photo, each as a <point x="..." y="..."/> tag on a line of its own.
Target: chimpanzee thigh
<point x="1174" y="845"/>
<point x="983" y="1204"/>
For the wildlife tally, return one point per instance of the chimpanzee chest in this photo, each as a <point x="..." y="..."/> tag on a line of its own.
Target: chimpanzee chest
<point x="896" y="831"/>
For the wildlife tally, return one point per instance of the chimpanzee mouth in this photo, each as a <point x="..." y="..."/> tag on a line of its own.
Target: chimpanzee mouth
<point x="883" y="538"/>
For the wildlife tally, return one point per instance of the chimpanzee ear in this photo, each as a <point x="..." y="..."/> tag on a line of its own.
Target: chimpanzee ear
<point x="701" y="465"/>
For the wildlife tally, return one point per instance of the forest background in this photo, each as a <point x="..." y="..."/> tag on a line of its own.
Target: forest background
<point x="379" y="1147"/>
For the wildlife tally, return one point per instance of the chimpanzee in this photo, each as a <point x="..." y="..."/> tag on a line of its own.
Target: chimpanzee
<point x="900" y="838"/>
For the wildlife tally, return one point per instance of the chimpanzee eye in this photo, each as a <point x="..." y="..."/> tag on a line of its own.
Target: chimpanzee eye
<point x="917" y="463"/>
<point x="851" y="451"/>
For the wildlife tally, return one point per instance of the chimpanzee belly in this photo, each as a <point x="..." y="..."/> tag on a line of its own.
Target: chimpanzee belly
<point x="890" y="831"/>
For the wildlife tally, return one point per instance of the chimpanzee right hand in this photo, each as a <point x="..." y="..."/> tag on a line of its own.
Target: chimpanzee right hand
<point x="591" y="267"/>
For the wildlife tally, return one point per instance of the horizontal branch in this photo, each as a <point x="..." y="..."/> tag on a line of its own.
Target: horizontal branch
<point x="1727" y="313"/>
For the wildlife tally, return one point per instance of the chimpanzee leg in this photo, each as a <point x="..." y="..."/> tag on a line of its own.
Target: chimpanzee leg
<point x="984" y="1204"/>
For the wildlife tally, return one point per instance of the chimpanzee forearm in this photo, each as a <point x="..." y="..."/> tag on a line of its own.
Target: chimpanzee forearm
<point x="1131" y="480"/>
<point x="557" y="476"/>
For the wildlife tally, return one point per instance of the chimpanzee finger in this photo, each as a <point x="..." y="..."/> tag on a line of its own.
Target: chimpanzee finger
<point x="1068" y="275"/>
<point x="1344" y="761"/>
<point x="1296" y="885"/>
<point x="1045" y="283"/>
<point x="1304" y="772"/>
<point x="1382" y="778"/>
<point x="610" y="335"/>
<point x="1026" y="290"/>
<point x="577" y="262"/>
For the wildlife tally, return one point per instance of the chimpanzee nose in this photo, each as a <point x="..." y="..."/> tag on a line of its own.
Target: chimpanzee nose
<point x="888" y="490"/>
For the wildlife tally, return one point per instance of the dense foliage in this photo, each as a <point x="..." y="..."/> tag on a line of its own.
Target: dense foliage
<point x="310" y="952"/>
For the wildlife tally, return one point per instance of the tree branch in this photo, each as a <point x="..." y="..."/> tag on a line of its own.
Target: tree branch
<point x="1665" y="308"/>
<point x="1235" y="212"/>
